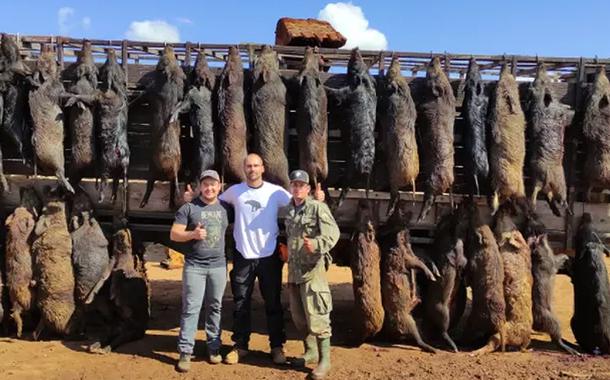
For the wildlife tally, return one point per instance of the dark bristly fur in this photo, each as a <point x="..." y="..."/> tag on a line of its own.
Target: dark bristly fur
<point x="231" y="117"/>
<point x="53" y="273"/>
<point x="596" y="133"/>
<point x="164" y="94"/>
<point x="269" y="116"/>
<point x="360" y="99"/>
<point x="548" y="119"/>
<point x="591" y="320"/>
<point x="366" y="277"/>
<point x="397" y="120"/>
<point x="312" y="119"/>
<point x="507" y="148"/>
<point x="435" y="119"/>
<point x="198" y="103"/>
<point x="474" y="110"/>
<point x="45" y="102"/>
<point x="19" y="274"/>
<point x="80" y="115"/>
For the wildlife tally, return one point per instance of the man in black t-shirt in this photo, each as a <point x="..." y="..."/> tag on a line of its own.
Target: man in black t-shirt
<point x="201" y="225"/>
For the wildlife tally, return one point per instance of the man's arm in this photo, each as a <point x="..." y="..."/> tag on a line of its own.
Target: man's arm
<point x="179" y="234"/>
<point x="329" y="232"/>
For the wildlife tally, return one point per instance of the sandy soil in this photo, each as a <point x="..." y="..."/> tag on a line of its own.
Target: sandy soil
<point x="154" y="356"/>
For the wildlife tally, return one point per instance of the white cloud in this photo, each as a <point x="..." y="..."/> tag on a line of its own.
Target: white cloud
<point x="184" y="20"/>
<point x="86" y="22"/>
<point x="153" y="31"/>
<point x="63" y="16"/>
<point x="349" y="20"/>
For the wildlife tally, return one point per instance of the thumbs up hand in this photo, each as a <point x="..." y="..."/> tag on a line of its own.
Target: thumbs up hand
<point x="318" y="194"/>
<point x="199" y="233"/>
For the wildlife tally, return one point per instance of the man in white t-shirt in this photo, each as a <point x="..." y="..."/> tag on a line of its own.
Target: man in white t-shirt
<point x="256" y="203"/>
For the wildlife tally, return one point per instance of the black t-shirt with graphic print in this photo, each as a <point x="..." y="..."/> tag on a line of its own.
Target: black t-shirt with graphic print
<point x="215" y="218"/>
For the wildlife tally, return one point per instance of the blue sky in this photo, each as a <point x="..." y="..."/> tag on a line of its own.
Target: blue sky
<point x="561" y="28"/>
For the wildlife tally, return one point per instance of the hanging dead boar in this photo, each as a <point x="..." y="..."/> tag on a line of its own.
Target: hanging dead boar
<point x="164" y="93"/>
<point x="53" y="273"/>
<point x="14" y="109"/>
<point x="590" y="322"/>
<point x="507" y="147"/>
<point x="129" y="293"/>
<point x="545" y="265"/>
<point x="231" y="117"/>
<point x="360" y="100"/>
<point x="548" y="119"/>
<point x="596" y="133"/>
<point x="474" y="110"/>
<point x="19" y="276"/>
<point x="435" y="118"/>
<point x="80" y="115"/>
<point x="366" y="277"/>
<point x="397" y="122"/>
<point x="312" y="119"/>
<point x="47" y="115"/>
<point x="446" y="298"/>
<point x="399" y="291"/>
<point x="198" y="103"/>
<point x="269" y="115"/>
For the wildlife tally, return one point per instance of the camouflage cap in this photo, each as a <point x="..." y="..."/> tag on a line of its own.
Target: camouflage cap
<point x="299" y="175"/>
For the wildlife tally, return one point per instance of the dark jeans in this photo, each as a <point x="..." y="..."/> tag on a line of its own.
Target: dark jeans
<point x="268" y="270"/>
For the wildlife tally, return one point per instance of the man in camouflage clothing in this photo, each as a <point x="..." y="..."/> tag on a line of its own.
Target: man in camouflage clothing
<point x="311" y="232"/>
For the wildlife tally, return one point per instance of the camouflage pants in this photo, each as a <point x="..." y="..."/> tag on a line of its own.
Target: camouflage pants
<point x="310" y="306"/>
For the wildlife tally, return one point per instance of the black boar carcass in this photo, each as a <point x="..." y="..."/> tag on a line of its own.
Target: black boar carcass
<point x="446" y="297"/>
<point x="231" y="118"/>
<point x="53" y="273"/>
<point x="476" y="102"/>
<point x="548" y="119"/>
<point x="435" y="119"/>
<point x="164" y="93"/>
<point x="507" y="146"/>
<point x="46" y="99"/>
<point x="545" y="265"/>
<point x="366" y="277"/>
<point x="198" y="103"/>
<point x="596" y="133"/>
<point x="14" y="110"/>
<point x="81" y="115"/>
<point x="269" y="116"/>
<point x="360" y="99"/>
<point x="129" y="293"/>
<point x="591" y="319"/>
<point x="18" y="255"/>
<point x="312" y="119"/>
<point x="397" y="123"/>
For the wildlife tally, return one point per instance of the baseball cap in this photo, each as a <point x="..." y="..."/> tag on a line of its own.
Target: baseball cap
<point x="209" y="174"/>
<point x="299" y="175"/>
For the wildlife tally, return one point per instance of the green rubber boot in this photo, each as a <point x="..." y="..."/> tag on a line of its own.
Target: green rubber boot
<point x="323" y="367"/>
<point x="311" y="352"/>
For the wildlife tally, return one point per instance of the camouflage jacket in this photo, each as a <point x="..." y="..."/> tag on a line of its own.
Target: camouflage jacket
<point x="315" y="221"/>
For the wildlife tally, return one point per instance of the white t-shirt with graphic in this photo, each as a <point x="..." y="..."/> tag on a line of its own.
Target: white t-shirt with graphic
<point x="256" y="211"/>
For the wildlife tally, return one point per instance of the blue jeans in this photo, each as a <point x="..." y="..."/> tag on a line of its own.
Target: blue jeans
<point x="201" y="285"/>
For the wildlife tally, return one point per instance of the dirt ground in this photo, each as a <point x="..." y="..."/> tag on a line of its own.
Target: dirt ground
<point x="154" y="356"/>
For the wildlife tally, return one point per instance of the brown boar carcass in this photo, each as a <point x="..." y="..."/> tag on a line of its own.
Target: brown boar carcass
<point x="507" y="147"/>
<point x="164" y="92"/>
<point x="269" y="116"/>
<point x="19" y="265"/>
<point x="45" y="101"/>
<point x="231" y="117"/>
<point x="397" y="122"/>
<point x="435" y="119"/>
<point x="53" y="272"/>
<point x="548" y="119"/>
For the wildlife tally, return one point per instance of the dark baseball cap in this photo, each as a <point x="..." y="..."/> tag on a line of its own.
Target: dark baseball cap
<point x="299" y="175"/>
<point x="209" y="174"/>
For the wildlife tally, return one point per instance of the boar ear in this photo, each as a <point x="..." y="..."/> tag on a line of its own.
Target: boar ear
<point x="479" y="237"/>
<point x="266" y="76"/>
<point x="603" y="102"/>
<point x="9" y="219"/>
